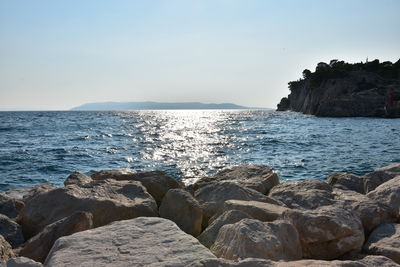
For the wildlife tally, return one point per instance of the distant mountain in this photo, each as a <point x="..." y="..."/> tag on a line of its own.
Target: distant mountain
<point x="149" y="105"/>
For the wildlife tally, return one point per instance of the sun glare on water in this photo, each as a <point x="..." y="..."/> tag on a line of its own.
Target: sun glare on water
<point x="193" y="141"/>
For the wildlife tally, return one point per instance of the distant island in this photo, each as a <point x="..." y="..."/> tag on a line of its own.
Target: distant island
<point x="340" y="89"/>
<point x="149" y="105"/>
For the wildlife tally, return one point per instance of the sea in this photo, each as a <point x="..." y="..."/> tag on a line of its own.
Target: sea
<point x="46" y="146"/>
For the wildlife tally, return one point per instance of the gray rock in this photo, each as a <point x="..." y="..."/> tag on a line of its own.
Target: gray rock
<point x="107" y="200"/>
<point x="5" y="250"/>
<point x="209" y="235"/>
<point x="376" y="261"/>
<point x="347" y="181"/>
<point x="77" y="178"/>
<point x="368" y="261"/>
<point x="308" y="194"/>
<point x="142" y="241"/>
<point x="26" y="193"/>
<point x="257" y="177"/>
<point x="328" y="232"/>
<point x="39" y="246"/>
<point x="389" y="194"/>
<point x="251" y="238"/>
<point x="10" y="207"/>
<point x="22" y="262"/>
<point x="385" y="241"/>
<point x="379" y="176"/>
<point x="262" y="211"/>
<point x="11" y="231"/>
<point x="182" y="208"/>
<point x="371" y="212"/>
<point x="249" y="262"/>
<point x="212" y="197"/>
<point x="157" y="183"/>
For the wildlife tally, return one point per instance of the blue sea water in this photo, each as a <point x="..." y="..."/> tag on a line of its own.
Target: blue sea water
<point x="44" y="147"/>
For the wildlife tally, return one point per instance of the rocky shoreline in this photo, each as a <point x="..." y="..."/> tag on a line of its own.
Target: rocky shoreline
<point x="340" y="89"/>
<point x="243" y="216"/>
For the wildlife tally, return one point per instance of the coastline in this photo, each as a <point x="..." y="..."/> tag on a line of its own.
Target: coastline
<point x="242" y="216"/>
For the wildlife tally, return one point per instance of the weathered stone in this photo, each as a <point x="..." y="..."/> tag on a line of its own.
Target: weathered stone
<point x="371" y="212"/>
<point x="11" y="231"/>
<point x="389" y="194"/>
<point x="213" y="196"/>
<point x="262" y="211"/>
<point x="5" y="250"/>
<point x="107" y="200"/>
<point x="328" y="232"/>
<point x="368" y="261"/>
<point x="77" y="178"/>
<point x="26" y="193"/>
<point x="379" y="176"/>
<point x="347" y="181"/>
<point x="249" y="262"/>
<point x="209" y="235"/>
<point x="308" y="194"/>
<point x="138" y="242"/>
<point x="251" y="238"/>
<point x="181" y="207"/>
<point x="39" y="246"/>
<point x="380" y="261"/>
<point x="257" y="177"/>
<point x="22" y="262"/>
<point x="385" y="241"/>
<point x="157" y="183"/>
<point x="10" y="207"/>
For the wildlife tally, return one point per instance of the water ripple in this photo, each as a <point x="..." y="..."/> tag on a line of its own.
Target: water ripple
<point x="40" y="147"/>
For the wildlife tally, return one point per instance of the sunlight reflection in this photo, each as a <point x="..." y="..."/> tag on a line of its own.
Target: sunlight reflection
<point x="188" y="139"/>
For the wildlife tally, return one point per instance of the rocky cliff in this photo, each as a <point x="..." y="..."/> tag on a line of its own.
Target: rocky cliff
<point x="340" y="89"/>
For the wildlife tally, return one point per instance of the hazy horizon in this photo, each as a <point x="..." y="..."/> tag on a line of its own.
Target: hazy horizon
<point x="60" y="54"/>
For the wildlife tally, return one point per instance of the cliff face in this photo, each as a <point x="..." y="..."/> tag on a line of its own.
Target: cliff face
<point x="347" y="90"/>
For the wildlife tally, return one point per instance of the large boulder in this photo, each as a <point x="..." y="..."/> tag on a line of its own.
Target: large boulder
<point x="213" y="196"/>
<point x="10" y="207"/>
<point x="157" y="183"/>
<point x="144" y="241"/>
<point x="371" y="212"/>
<point x="308" y="194"/>
<point x="39" y="246"/>
<point x="251" y="238"/>
<point x="257" y="177"/>
<point x="379" y="176"/>
<point x="262" y="211"/>
<point x="5" y="250"/>
<point x="385" y="241"/>
<point x="389" y="194"/>
<point x="209" y="235"/>
<point x="107" y="200"/>
<point x="328" y="232"/>
<point x="22" y="262"/>
<point x="11" y="231"/>
<point x="181" y="207"/>
<point x="347" y="181"/>
<point x="78" y="179"/>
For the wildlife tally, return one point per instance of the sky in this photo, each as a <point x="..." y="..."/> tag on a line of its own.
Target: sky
<point x="55" y="55"/>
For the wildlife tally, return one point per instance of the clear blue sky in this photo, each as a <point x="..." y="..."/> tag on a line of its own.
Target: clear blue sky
<point x="60" y="54"/>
